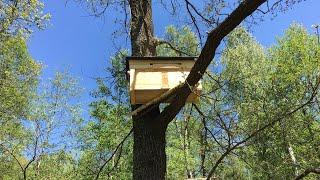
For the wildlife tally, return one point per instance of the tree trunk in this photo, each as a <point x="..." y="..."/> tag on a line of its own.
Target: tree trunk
<point x="149" y="157"/>
<point x="142" y="40"/>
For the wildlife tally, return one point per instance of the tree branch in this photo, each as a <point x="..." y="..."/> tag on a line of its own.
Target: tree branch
<point x="181" y="92"/>
<point x="270" y="124"/>
<point x="307" y="172"/>
<point x="113" y="153"/>
<point x="160" y="42"/>
<point x="34" y="152"/>
<point x="197" y="12"/>
<point x="14" y="156"/>
<point x="194" y="21"/>
<point x="215" y="37"/>
<point x="148" y="106"/>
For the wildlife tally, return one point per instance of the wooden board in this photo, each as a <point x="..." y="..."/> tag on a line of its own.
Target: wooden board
<point x="144" y="96"/>
<point x="149" y="78"/>
<point x="152" y="64"/>
<point x="157" y="79"/>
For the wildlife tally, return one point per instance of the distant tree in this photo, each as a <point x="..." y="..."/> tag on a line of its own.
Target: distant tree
<point x="43" y="143"/>
<point x="266" y="105"/>
<point x="54" y="124"/>
<point x="19" y="75"/>
<point x="109" y="125"/>
<point x="290" y="74"/>
<point x="37" y="123"/>
<point x="20" y="16"/>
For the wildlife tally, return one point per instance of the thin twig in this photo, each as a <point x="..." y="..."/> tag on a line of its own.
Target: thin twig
<point x="113" y="153"/>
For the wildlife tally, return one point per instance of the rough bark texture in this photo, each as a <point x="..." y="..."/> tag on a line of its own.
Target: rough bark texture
<point x="142" y="40"/>
<point x="307" y="172"/>
<point x="149" y="157"/>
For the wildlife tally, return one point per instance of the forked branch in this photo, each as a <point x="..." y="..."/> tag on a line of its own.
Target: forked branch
<point x="245" y="9"/>
<point x="268" y="125"/>
<point x="119" y="146"/>
<point x="171" y="46"/>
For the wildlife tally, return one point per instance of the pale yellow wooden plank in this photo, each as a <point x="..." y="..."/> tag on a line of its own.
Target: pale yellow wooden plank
<point x="176" y="78"/>
<point x="144" y="96"/>
<point x="136" y="64"/>
<point x="132" y="84"/>
<point x="150" y="79"/>
<point x="164" y="82"/>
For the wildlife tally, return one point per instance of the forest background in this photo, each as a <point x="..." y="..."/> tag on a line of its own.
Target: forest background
<point x="67" y="123"/>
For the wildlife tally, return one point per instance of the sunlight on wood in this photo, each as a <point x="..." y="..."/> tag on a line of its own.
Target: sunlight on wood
<point x="150" y="77"/>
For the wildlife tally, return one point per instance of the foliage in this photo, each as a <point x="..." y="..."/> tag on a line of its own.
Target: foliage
<point x="19" y="16"/>
<point x="45" y="136"/>
<point x="18" y="80"/>
<point x="111" y="123"/>
<point x="250" y="88"/>
<point x="19" y="75"/>
<point x="183" y="39"/>
<point x="257" y="117"/>
<point x="296" y="69"/>
<point x="264" y="85"/>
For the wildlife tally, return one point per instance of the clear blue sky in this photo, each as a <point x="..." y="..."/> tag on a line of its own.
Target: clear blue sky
<point x="84" y="43"/>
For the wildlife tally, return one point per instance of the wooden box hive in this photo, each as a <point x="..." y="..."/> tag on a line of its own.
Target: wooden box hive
<point x="152" y="76"/>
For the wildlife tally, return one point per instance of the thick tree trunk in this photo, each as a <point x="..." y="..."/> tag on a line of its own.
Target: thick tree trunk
<point x="149" y="157"/>
<point x="142" y="40"/>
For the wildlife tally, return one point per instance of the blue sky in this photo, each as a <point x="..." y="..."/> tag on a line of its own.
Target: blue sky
<point x="83" y="43"/>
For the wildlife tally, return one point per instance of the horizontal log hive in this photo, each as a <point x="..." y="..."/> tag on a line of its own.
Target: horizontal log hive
<point x="152" y="76"/>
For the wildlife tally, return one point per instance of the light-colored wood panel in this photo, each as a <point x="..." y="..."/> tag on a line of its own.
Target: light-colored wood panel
<point x="176" y="78"/>
<point x="150" y="79"/>
<point x="132" y="82"/>
<point x="136" y="64"/>
<point x="144" y="96"/>
<point x="132" y="78"/>
<point x="163" y="70"/>
<point x="165" y="81"/>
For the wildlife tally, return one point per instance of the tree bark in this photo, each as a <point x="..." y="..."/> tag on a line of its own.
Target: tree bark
<point x="307" y="172"/>
<point x="142" y="40"/>
<point x="149" y="157"/>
